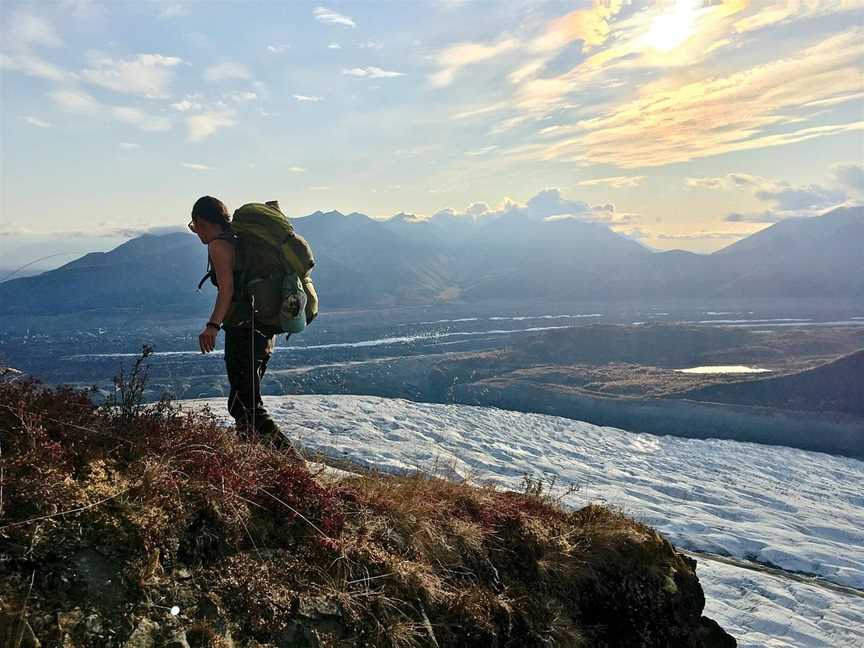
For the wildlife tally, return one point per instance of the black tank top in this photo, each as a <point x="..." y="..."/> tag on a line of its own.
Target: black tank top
<point x="231" y="236"/>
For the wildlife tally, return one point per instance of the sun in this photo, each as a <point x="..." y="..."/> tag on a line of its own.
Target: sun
<point x="671" y="29"/>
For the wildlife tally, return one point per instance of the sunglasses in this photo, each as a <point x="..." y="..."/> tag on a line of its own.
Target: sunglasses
<point x="192" y="226"/>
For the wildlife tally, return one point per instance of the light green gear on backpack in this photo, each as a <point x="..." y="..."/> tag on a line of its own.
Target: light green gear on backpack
<point x="271" y="272"/>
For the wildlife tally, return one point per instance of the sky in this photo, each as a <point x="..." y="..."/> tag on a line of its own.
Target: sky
<point x="685" y="124"/>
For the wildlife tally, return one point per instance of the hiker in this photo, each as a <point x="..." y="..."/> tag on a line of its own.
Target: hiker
<point x="248" y="346"/>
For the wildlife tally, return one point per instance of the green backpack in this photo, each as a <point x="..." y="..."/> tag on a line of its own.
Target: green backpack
<point x="272" y="287"/>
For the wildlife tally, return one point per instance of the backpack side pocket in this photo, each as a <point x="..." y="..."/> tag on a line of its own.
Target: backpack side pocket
<point x="292" y="313"/>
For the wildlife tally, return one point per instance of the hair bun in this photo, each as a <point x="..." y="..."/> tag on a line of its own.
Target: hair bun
<point x="212" y="210"/>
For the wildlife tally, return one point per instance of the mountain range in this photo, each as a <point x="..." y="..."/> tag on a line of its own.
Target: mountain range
<point x="365" y="262"/>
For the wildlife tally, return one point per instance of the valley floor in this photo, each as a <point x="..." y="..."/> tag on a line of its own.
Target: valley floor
<point x="795" y="510"/>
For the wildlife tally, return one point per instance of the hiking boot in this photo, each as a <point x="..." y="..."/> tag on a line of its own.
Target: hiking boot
<point x="245" y="432"/>
<point x="271" y="435"/>
<point x="282" y="443"/>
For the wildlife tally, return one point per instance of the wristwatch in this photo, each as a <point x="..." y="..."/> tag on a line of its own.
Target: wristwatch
<point x="214" y="325"/>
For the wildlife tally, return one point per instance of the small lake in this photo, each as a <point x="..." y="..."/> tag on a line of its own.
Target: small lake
<point x="723" y="369"/>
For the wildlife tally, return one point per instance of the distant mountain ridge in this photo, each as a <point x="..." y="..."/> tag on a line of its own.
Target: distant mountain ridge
<point x="364" y="262"/>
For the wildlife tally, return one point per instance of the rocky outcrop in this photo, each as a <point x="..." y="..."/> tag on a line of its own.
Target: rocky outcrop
<point x="647" y="596"/>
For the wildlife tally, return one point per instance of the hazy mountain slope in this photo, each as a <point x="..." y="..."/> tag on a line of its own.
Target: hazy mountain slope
<point x="799" y="234"/>
<point x="806" y="257"/>
<point x="359" y="262"/>
<point x="676" y="272"/>
<point x="564" y="259"/>
<point x="363" y="261"/>
<point x="835" y="386"/>
<point x="145" y="272"/>
<point x="415" y="230"/>
<point x="381" y="263"/>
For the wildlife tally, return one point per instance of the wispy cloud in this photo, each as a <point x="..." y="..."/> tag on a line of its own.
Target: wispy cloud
<point x="486" y="150"/>
<point x="148" y="75"/>
<point x="483" y="110"/>
<point x="174" y="10"/>
<point x="591" y="26"/>
<point x="451" y="59"/>
<point x="449" y="5"/>
<point x="330" y="17"/>
<point x="101" y="230"/>
<point x="278" y="49"/>
<point x="26" y="30"/>
<point x="545" y="206"/>
<point x="660" y="36"/>
<point x="33" y="121"/>
<point x="196" y="167"/>
<point x="91" y="12"/>
<point x="228" y="71"/>
<point x="766" y="216"/>
<point x="785" y="199"/>
<point x="835" y="101"/>
<point x="143" y="120"/>
<point x="850" y="177"/>
<point x="186" y="105"/>
<point x="616" y="182"/>
<point x="703" y="236"/>
<point x="334" y="46"/>
<point x="371" y="72"/>
<point x="729" y="181"/>
<point x="77" y="101"/>
<point x="772" y="13"/>
<point x="202" y="126"/>
<point x="309" y="98"/>
<point x="129" y="145"/>
<point x="32" y="66"/>
<point x="672" y="122"/>
<point x="25" y="33"/>
<point x="371" y="45"/>
<point x="11" y="229"/>
<point x="296" y="169"/>
<point x="240" y="97"/>
<point x="673" y="117"/>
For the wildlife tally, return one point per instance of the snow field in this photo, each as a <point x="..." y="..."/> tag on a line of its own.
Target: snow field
<point x="765" y="611"/>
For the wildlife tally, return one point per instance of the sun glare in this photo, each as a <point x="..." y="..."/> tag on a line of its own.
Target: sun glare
<point x="671" y="29"/>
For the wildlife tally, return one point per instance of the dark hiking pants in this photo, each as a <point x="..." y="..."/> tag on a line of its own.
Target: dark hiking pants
<point x="246" y="357"/>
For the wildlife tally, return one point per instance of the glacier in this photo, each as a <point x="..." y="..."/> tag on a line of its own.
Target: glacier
<point x="793" y="510"/>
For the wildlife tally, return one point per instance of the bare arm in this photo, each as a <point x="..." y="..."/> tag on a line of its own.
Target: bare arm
<point x="222" y="256"/>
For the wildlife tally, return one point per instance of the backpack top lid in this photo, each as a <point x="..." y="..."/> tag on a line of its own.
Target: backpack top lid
<point x="267" y="223"/>
<point x="264" y="215"/>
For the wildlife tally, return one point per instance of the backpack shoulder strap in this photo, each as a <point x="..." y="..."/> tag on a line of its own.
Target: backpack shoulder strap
<point x="228" y="235"/>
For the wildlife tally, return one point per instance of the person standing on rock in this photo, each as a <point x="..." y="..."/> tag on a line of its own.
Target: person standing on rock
<point x="247" y="348"/>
